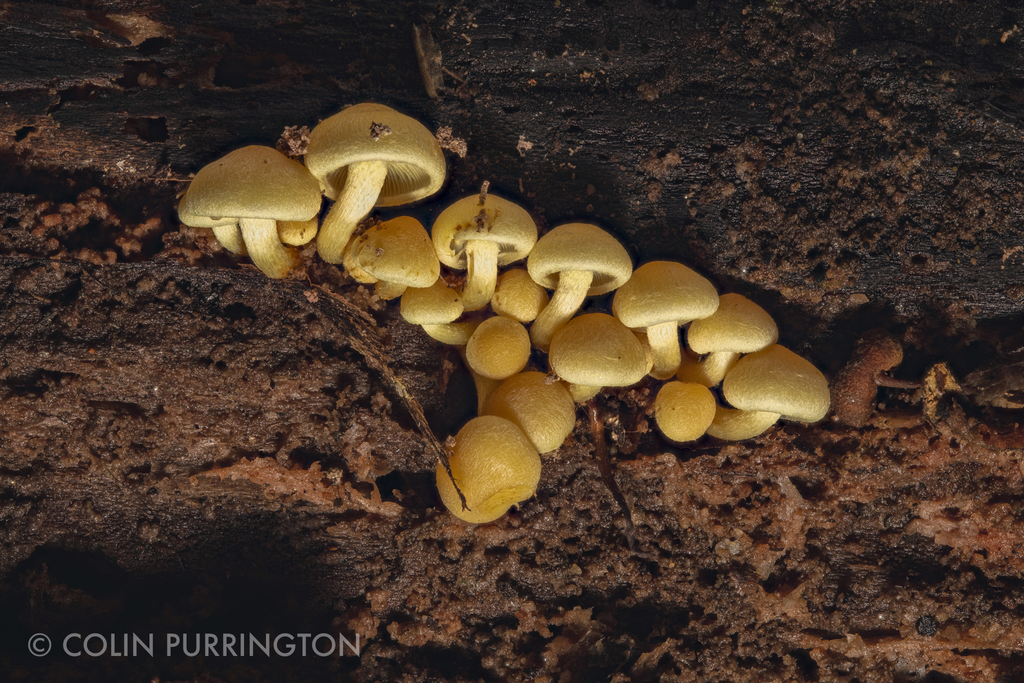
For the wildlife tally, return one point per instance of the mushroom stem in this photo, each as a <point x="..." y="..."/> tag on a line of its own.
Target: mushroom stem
<point x="484" y="388"/>
<point x="717" y="364"/>
<point x="567" y="299"/>
<point x="692" y="370"/>
<point x="484" y="385"/>
<point x="664" y="341"/>
<point x="265" y="249"/>
<point x="482" y="273"/>
<point x="362" y="187"/>
<point x="230" y="237"/>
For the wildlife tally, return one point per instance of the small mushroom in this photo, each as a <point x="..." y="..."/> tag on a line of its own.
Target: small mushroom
<point x="544" y="410"/>
<point x="776" y="380"/>
<point x="576" y="260"/>
<point x="297" y="233"/>
<point x="659" y="297"/>
<point x="518" y="297"/>
<point x="683" y="411"/>
<point x="395" y="254"/>
<point x="370" y="155"/>
<point x="594" y="351"/>
<point x="499" y="348"/>
<point x="856" y="385"/>
<point x="738" y="326"/>
<point x="495" y="467"/>
<point x="435" y="309"/>
<point x="736" y="425"/>
<point x="243" y="195"/>
<point x="480" y="236"/>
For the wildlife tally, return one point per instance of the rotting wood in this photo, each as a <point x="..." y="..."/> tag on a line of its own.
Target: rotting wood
<point x="847" y="165"/>
<point x="367" y="343"/>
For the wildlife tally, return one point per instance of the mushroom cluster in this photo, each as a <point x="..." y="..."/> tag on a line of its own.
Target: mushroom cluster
<point x="730" y="380"/>
<point x="367" y="155"/>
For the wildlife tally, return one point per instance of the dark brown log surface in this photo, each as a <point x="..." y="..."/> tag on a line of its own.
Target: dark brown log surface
<point x="188" y="447"/>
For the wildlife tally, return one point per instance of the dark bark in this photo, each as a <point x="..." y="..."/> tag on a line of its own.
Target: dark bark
<point x="186" y="446"/>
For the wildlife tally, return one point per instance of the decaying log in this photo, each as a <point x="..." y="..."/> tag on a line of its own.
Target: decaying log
<point x="187" y="447"/>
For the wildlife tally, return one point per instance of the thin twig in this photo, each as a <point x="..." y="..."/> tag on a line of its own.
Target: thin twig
<point x="366" y="342"/>
<point x="604" y="464"/>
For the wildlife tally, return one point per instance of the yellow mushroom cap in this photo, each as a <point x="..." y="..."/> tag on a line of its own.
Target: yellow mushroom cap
<point x="663" y="292"/>
<point x="499" y="348"/>
<point x="737" y="425"/>
<point x="518" y="297"/>
<point x="776" y="380"/>
<point x="543" y="410"/>
<point x="397" y="252"/>
<point x="495" y="466"/>
<point x="580" y="247"/>
<point x="415" y="162"/>
<point x="739" y="325"/>
<point x="684" y="410"/>
<point x="434" y="305"/>
<point x="251" y="182"/>
<point x="597" y="350"/>
<point x="188" y="217"/>
<point x="508" y="225"/>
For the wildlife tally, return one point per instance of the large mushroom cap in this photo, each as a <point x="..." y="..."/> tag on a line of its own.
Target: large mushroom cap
<point x="580" y="247"/>
<point x="251" y="182"/>
<point x="398" y="251"/>
<point x="661" y="292"/>
<point x="374" y="132"/>
<point x="776" y="380"/>
<point x="739" y="325"/>
<point x="597" y="350"/>
<point x="507" y="224"/>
